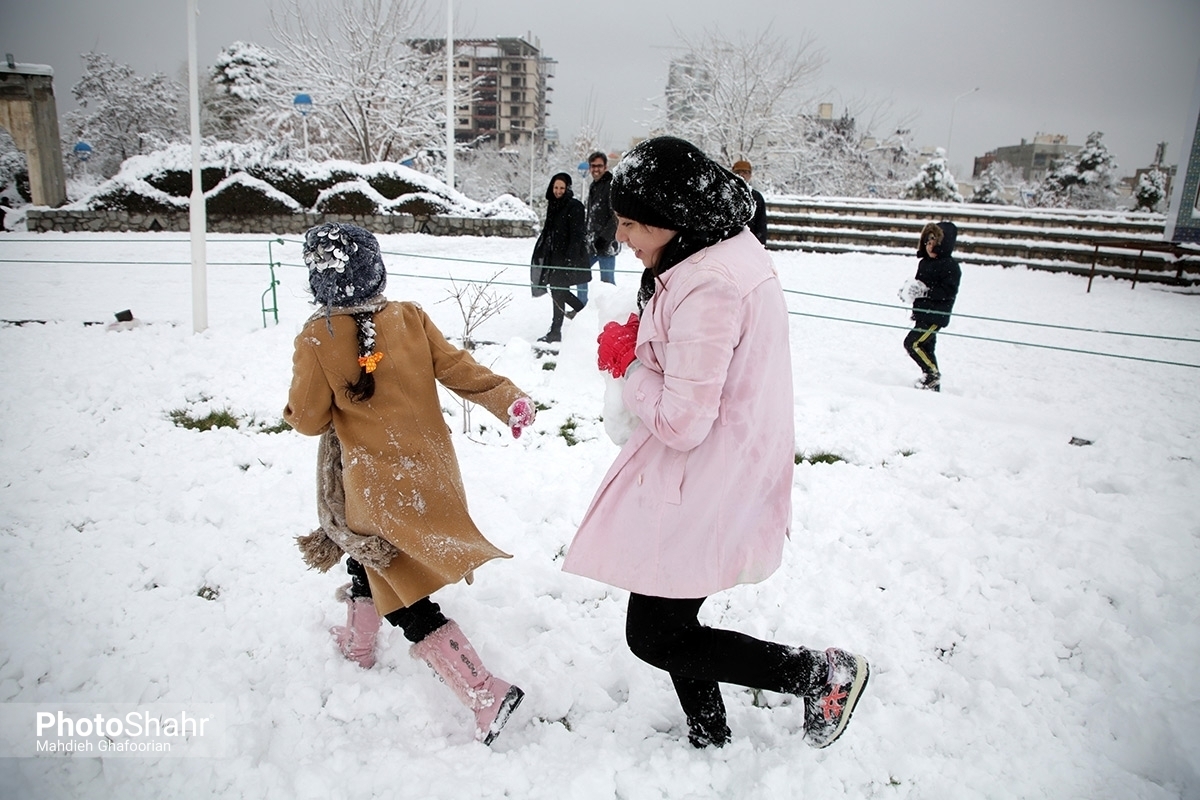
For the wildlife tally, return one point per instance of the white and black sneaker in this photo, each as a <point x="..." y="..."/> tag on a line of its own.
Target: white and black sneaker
<point x="828" y="706"/>
<point x="931" y="381"/>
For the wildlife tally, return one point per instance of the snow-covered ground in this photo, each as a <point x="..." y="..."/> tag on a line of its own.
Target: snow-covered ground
<point x="1030" y="607"/>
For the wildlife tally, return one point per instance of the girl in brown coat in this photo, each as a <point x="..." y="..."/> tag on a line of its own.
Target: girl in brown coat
<point x="389" y="490"/>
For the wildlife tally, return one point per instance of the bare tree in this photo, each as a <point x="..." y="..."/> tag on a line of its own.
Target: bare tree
<point x="754" y="97"/>
<point x="739" y="98"/>
<point x="477" y="302"/>
<point x="370" y="79"/>
<point x="485" y="169"/>
<point x="591" y="130"/>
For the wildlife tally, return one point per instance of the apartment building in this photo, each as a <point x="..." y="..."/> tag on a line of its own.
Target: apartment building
<point x="1033" y="159"/>
<point x="509" y="87"/>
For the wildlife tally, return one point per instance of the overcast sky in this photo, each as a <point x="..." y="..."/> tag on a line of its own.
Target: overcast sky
<point x="1123" y="67"/>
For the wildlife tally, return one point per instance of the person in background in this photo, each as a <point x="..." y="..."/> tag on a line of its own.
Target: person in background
<point x="758" y="223"/>
<point x="601" y="224"/>
<point x="389" y="493"/>
<point x="561" y="250"/>
<point x="932" y="293"/>
<point x="707" y="370"/>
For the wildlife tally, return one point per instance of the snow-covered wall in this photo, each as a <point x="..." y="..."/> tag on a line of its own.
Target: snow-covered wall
<point x="249" y="191"/>
<point x="72" y="220"/>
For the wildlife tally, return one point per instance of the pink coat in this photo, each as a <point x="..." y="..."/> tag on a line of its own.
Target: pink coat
<point x="699" y="499"/>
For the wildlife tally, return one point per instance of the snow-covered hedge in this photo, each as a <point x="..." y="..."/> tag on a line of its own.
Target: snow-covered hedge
<point x="241" y="180"/>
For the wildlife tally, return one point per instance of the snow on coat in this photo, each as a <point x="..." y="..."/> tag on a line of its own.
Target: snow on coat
<point x="400" y="471"/>
<point x="699" y="498"/>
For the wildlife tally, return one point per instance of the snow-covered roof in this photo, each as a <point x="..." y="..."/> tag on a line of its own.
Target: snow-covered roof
<point x="26" y="69"/>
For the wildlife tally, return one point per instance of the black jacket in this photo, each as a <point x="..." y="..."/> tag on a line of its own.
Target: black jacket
<point x="601" y="224"/>
<point x="758" y="223"/>
<point x="941" y="276"/>
<point x="562" y="241"/>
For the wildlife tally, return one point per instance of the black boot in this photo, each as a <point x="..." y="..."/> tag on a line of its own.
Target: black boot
<point x="705" y="712"/>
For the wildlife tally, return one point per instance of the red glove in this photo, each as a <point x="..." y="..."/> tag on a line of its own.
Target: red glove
<point x="520" y="415"/>
<point x="617" y="342"/>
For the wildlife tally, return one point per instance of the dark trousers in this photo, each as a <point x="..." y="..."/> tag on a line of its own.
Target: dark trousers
<point x="416" y="621"/>
<point x="666" y="633"/>
<point x="920" y="344"/>
<point x="562" y="297"/>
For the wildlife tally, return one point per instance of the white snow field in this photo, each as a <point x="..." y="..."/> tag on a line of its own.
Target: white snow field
<point x="1030" y="608"/>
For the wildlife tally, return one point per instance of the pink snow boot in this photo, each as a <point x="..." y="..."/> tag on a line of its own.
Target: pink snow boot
<point x="455" y="661"/>
<point x="356" y="639"/>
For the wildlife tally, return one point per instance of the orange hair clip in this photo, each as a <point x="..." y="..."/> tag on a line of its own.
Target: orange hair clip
<point x="370" y="362"/>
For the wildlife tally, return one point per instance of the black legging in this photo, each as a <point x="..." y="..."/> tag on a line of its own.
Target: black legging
<point x="666" y="633"/>
<point x="416" y="621"/>
<point x="920" y="344"/>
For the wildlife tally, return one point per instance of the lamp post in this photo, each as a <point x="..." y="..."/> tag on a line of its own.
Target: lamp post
<point x="197" y="217"/>
<point x="303" y="104"/>
<point x="950" y="132"/>
<point x="450" y="93"/>
<point x="83" y="151"/>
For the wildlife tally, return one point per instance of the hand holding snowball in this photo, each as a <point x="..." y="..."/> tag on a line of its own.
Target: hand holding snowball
<point x="521" y="415"/>
<point x="616" y="345"/>
<point x="911" y="290"/>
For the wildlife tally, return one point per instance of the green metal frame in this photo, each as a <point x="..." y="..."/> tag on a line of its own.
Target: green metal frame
<point x="271" y="264"/>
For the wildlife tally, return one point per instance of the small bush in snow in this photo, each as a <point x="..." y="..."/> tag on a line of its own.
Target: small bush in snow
<point x="934" y="182"/>
<point x="1151" y="190"/>
<point x="1086" y="179"/>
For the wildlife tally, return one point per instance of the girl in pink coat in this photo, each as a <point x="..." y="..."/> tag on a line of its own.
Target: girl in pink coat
<point x="699" y="499"/>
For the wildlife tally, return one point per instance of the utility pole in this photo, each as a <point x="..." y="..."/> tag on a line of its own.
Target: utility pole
<point x="450" y="93"/>
<point x="196" y="211"/>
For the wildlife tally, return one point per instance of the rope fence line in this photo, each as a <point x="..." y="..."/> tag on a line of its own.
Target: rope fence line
<point x="958" y="315"/>
<point x="525" y="284"/>
<point x="155" y="263"/>
<point x="881" y="324"/>
<point x="998" y="341"/>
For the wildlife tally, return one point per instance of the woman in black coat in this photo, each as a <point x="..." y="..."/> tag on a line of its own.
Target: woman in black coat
<point x="561" y="251"/>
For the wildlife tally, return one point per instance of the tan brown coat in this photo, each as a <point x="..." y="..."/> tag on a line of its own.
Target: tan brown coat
<point x="401" y="475"/>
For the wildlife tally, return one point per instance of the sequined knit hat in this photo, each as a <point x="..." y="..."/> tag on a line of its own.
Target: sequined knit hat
<point x="344" y="264"/>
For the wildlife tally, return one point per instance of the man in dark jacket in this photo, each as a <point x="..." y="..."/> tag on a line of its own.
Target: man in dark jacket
<point x="602" y="242"/>
<point x="933" y="292"/>
<point x="758" y="223"/>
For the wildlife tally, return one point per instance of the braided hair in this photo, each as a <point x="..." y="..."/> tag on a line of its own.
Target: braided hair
<point x="345" y="270"/>
<point x="364" y="388"/>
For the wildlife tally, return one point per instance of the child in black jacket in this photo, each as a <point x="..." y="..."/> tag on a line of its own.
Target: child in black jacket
<point x="932" y="293"/>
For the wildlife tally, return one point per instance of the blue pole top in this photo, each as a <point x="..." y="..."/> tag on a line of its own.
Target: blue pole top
<point x="303" y="103"/>
<point x="83" y="150"/>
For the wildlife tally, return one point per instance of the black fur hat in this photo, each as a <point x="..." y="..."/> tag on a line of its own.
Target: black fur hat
<point x="560" y="176"/>
<point x="344" y="264"/>
<point x="670" y="183"/>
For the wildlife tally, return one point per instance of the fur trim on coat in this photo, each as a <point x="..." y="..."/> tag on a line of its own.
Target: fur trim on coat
<point x="323" y="548"/>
